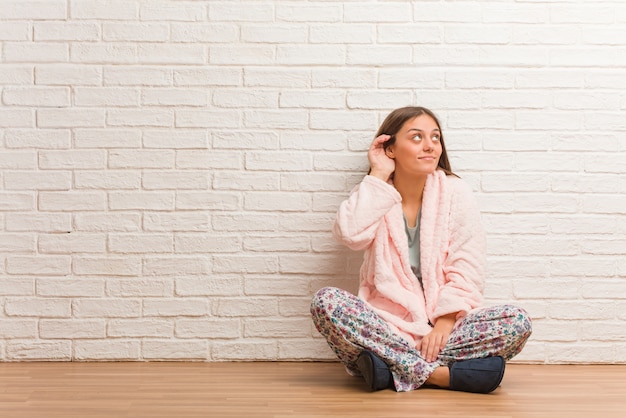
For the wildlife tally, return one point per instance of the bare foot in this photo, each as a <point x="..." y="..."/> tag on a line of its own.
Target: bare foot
<point x="440" y="377"/>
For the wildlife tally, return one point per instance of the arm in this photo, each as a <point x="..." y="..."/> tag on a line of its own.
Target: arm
<point x="358" y="216"/>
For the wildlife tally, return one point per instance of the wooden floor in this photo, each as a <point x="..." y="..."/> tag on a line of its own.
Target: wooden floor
<point x="293" y="390"/>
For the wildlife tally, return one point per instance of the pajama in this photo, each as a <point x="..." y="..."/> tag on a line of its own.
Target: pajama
<point x="350" y="326"/>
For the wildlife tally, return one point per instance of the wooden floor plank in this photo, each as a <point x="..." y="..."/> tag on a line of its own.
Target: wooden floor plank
<point x="283" y="389"/>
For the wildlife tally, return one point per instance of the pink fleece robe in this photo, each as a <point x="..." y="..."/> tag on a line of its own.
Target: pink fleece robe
<point x="452" y="252"/>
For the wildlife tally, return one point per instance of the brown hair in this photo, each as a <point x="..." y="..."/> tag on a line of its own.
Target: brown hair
<point x="396" y="119"/>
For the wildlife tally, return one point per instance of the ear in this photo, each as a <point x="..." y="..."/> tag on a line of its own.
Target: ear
<point x="389" y="152"/>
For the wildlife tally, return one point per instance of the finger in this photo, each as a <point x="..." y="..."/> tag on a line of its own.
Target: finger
<point x="379" y="140"/>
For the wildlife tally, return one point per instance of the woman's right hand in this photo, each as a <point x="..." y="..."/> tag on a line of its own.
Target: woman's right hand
<point x="381" y="165"/>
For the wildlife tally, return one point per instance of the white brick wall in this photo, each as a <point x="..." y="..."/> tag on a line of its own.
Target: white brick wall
<point x="169" y="170"/>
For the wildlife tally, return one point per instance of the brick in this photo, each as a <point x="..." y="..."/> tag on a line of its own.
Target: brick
<point x="71" y="243"/>
<point x="470" y="34"/>
<point x="159" y="222"/>
<point x="33" y="9"/>
<point x="312" y="182"/>
<point x="15" y="31"/>
<point x="177" y="350"/>
<point x="247" y="307"/>
<point x="48" y="222"/>
<point x="17" y="287"/>
<point x="106" y="266"/>
<point x="17" y="243"/>
<point x="71" y="329"/>
<point x="344" y="77"/>
<point x="521" y="13"/>
<point x="106" y="308"/>
<point x="246" y="264"/>
<point x="264" y="77"/>
<point x="141" y="200"/>
<point x="258" y="350"/>
<point x="201" y="243"/>
<point x="313" y="141"/>
<point x="68" y="75"/>
<point x="274" y="33"/>
<point x="376" y="13"/>
<point x="246" y="181"/>
<point x="207" y="119"/>
<point x="137" y="287"/>
<point x="70" y="118"/>
<point x="159" y="266"/>
<point x="39" y="350"/>
<point x="107" y="138"/>
<point x="242" y="54"/>
<point x="175" y="307"/>
<point x="279" y="327"/>
<point x="139" y="328"/>
<point x="377" y="100"/>
<point x="309" y="12"/>
<point x="218" y="328"/>
<point x="278" y="119"/>
<point x="18" y="160"/>
<point x="70" y="288"/>
<point x="103" y="53"/>
<point x="411" y="33"/>
<point x="375" y="55"/>
<point x="479" y="79"/>
<point x="209" y="286"/>
<point x="204" y="32"/>
<point x="139" y="32"/>
<point x="242" y="98"/>
<point x="103" y="97"/>
<point x="177" y="180"/>
<point x="71" y="201"/>
<point x="85" y="350"/>
<point x="342" y="120"/>
<point x="38" y="265"/>
<point x="340" y="34"/>
<point x="140" y="244"/>
<point x="312" y="99"/>
<point x="36" y="96"/>
<point x="137" y="76"/>
<point x="277" y="243"/>
<point x="66" y="31"/>
<point x="214" y="76"/>
<point x="17" y="118"/>
<point x="207" y="201"/>
<point x="277" y="201"/>
<point x="35" y="307"/>
<point x="106" y="10"/>
<point x="16" y="74"/>
<point x="174" y="97"/>
<point x="111" y="179"/>
<point x="241" y="12"/>
<point x="208" y="160"/>
<point x="175" y="139"/>
<point x="39" y="139"/>
<point x="274" y="286"/>
<point x="72" y="159"/>
<point x="258" y="140"/>
<point x="18" y="328"/>
<point x="107" y="222"/>
<point x="141" y="159"/>
<point x="278" y="161"/>
<point x="239" y="222"/>
<point x="156" y="53"/>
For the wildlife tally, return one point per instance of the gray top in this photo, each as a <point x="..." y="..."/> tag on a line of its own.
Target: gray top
<point x="413" y="237"/>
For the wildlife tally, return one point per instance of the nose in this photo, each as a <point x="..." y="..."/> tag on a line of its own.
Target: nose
<point x="428" y="144"/>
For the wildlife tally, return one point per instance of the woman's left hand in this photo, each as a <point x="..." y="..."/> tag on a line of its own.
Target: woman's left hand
<point x="433" y="342"/>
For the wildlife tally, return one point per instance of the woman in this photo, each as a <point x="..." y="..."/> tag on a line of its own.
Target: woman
<point x="418" y="318"/>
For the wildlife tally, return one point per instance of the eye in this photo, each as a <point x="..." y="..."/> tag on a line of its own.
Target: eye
<point x="417" y="137"/>
<point x="436" y="138"/>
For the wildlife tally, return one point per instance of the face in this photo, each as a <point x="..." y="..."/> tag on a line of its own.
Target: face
<point x="417" y="148"/>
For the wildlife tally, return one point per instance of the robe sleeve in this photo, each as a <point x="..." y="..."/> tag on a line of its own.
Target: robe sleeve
<point x="358" y="216"/>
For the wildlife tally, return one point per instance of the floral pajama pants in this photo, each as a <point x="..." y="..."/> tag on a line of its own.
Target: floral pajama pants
<point x="350" y="326"/>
